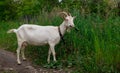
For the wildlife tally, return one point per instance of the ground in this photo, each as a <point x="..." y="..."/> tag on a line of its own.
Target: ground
<point x="8" y="64"/>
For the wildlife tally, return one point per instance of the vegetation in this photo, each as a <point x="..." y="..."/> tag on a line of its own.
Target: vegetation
<point x="95" y="48"/>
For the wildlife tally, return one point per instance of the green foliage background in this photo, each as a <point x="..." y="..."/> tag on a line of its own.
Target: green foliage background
<point x="95" y="48"/>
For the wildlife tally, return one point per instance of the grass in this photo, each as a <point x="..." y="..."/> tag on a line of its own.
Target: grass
<point x="95" y="48"/>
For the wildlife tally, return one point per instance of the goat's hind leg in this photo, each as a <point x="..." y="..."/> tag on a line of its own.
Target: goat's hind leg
<point x="24" y="44"/>
<point x="18" y="53"/>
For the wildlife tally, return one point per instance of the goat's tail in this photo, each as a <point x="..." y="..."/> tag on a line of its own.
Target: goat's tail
<point x="12" y="30"/>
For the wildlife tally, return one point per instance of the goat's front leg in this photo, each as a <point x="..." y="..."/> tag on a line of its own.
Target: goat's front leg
<point x="49" y="53"/>
<point x="53" y="52"/>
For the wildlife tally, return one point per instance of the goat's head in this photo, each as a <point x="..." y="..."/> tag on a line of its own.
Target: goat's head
<point x="68" y="19"/>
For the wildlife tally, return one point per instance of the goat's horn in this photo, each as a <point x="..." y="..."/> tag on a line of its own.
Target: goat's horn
<point x="65" y="13"/>
<point x="69" y="14"/>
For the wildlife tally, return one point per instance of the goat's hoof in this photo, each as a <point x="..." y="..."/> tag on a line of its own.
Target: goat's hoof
<point x="19" y="63"/>
<point x="24" y="59"/>
<point x="48" y="62"/>
<point x="55" y="60"/>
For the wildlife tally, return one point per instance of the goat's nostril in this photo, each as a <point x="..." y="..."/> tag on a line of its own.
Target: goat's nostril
<point x="70" y="25"/>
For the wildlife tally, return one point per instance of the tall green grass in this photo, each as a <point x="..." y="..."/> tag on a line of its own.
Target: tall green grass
<point x="95" y="48"/>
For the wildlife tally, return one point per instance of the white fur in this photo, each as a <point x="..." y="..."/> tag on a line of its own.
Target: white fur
<point x="40" y="35"/>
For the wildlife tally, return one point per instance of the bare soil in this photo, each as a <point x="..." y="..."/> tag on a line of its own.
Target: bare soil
<point x="8" y="64"/>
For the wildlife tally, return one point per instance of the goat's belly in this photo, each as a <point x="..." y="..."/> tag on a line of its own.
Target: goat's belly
<point x="37" y="43"/>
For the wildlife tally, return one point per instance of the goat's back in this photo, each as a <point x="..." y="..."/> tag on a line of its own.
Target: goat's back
<point x="38" y="35"/>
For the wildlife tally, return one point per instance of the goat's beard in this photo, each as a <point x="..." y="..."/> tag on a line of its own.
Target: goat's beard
<point x="69" y="29"/>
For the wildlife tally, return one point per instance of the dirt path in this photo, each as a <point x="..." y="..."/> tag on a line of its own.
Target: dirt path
<point x="8" y="64"/>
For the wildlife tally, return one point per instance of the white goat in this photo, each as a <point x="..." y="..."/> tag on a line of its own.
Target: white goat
<point x="40" y="35"/>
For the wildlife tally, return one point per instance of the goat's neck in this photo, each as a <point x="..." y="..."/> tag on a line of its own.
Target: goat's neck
<point x="63" y="28"/>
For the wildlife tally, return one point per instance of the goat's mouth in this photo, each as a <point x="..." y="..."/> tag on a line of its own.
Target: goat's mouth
<point x="71" y="26"/>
